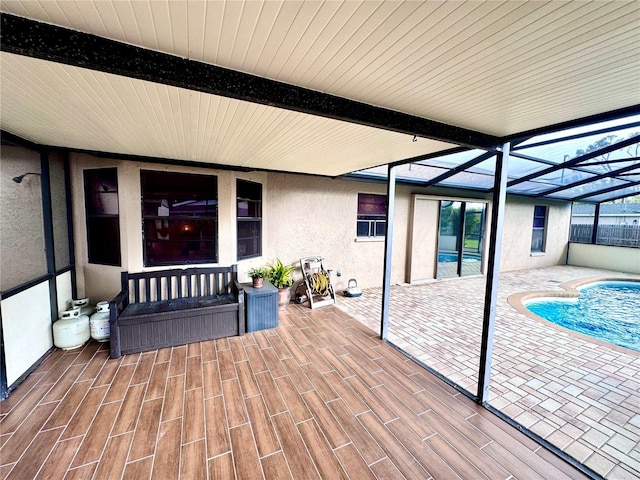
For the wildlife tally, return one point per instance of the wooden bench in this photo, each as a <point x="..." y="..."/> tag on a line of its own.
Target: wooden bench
<point x="174" y="307"/>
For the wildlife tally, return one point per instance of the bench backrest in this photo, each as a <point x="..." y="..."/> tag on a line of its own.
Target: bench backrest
<point x="179" y="283"/>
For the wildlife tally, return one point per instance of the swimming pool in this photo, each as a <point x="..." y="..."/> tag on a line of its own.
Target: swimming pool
<point x="609" y="311"/>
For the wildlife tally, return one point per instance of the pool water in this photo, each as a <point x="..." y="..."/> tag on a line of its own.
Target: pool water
<point x="452" y="257"/>
<point x="608" y="311"/>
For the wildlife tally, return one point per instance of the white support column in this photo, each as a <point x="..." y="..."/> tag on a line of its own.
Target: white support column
<point x="388" y="251"/>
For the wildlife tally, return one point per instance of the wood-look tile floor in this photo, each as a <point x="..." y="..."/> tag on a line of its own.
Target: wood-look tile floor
<point x="318" y="397"/>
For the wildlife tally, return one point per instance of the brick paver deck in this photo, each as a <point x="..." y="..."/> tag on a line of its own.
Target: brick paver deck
<point x="583" y="396"/>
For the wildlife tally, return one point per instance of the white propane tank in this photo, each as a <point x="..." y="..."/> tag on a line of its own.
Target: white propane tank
<point x="83" y="305"/>
<point x="99" y="322"/>
<point x="71" y="330"/>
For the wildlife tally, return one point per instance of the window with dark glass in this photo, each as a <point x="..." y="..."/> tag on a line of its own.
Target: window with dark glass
<point x="539" y="226"/>
<point x="103" y="219"/>
<point x="372" y="215"/>
<point x="179" y="218"/>
<point x="249" y="213"/>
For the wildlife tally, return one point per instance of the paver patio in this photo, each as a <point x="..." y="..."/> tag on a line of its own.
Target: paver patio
<point x="582" y="396"/>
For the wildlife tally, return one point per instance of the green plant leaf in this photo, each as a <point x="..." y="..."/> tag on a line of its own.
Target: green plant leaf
<point x="279" y="274"/>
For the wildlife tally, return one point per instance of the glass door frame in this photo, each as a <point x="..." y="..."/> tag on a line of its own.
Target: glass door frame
<point x="460" y="235"/>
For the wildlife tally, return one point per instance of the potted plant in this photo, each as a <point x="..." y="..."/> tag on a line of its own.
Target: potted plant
<point x="257" y="274"/>
<point x="280" y="276"/>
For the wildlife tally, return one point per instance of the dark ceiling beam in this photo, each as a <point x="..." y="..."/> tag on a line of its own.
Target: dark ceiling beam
<point x="580" y="122"/>
<point x="27" y="37"/>
<point x="575" y="161"/>
<point x="460" y="168"/>
<point x="606" y="190"/>
<point x="428" y="156"/>
<point x="611" y="162"/>
<point x="584" y="181"/>
<point x="531" y="158"/>
<point x="10" y="139"/>
<point x="611" y="199"/>
<point x="584" y="169"/>
<point x="580" y="135"/>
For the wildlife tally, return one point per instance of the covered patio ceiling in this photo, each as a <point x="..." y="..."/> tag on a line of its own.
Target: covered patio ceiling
<point x="331" y="88"/>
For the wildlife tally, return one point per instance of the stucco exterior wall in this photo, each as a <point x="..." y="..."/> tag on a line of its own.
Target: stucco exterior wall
<point x="516" y="239"/>
<point x="317" y="216"/>
<point x="306" y="215"/>
<point x="22" y="254"/>
<point x="421" y="263"/>
<point x="619" y="259"/>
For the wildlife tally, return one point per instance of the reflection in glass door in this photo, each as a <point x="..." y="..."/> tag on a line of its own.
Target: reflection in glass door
<point x="460" y="238"/>
<point x="449" y="235"/>
<point x="474" y="219"/>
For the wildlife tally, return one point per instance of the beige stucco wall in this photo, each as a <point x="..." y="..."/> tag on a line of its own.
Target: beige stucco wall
<point x="620" y="259"/>
<point x="516" y="239"/>
<point x="22" y="254"/>
<point x="421" y="264"/>
<point x="306" y="215"/>
<point x="317" y="216"/>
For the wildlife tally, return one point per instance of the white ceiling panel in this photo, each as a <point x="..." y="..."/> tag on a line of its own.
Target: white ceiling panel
<point x="60" y="105"/>
<point x="495" y="67"/>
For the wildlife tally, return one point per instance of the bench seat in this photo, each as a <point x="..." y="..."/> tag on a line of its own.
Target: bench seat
<point x="166" y="308"/>
<point x="140" y="310"/>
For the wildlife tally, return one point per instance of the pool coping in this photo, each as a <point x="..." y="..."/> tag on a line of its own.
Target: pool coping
<point x="517" y="301"/>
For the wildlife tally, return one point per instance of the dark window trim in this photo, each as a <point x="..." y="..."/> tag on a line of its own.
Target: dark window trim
<point x="542" y="229"/>
<point x="211" y="218"/>
<point x="257" y="219"/>
<point x="89" y="217"/>
<point x="374" y="221"/>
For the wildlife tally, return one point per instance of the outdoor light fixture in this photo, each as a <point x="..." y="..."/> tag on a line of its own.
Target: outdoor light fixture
<point x="19" y="178"/>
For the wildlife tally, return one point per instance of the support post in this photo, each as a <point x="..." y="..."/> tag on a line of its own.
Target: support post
<point x="4" y="388"/>
<point x="596" y="222"/>
<point x="47" y="217"/>
<point x="72" y="255"/>
<point x="493" y="271"/>
<point x="388" y="252"/>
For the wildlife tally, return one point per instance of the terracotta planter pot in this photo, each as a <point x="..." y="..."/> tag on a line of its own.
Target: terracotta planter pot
<point x="258" y="282"/>
<point x="284" y="297"/>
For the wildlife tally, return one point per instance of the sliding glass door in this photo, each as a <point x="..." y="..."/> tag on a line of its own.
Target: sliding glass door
<point x="449" y="239"/>
<point x="460" y="238"/>
<point x="473" y="244"/>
